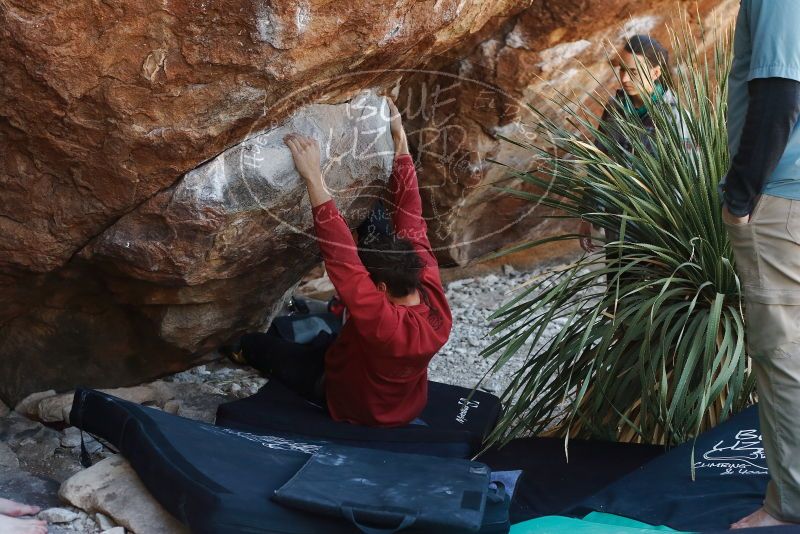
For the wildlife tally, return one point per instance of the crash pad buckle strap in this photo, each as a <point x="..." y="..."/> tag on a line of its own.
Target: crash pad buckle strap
<point x="496" y="493"/>
<point x="352" y="513"/>
<point x="86" y="459"/>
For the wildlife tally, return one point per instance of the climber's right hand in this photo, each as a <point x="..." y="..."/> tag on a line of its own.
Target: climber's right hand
<point x="305" y="152"/>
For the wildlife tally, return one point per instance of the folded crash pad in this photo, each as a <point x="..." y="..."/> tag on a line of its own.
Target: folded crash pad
<point x="393" y="491"/>
<point x="453" y="424"/>
<point x="219" y="480"/>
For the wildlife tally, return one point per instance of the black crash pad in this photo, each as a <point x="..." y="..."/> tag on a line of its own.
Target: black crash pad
<point x="550" y="484"/>
<point x="730" y="480"/>
<point x="456" y="421"/>
<point x="214" y="479"/>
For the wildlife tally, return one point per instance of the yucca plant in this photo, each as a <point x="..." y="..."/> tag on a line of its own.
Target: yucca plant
<point x="652" y="343"/>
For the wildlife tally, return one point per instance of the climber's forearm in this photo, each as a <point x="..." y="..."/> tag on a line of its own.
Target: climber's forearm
<point x="400" y="143"/>
<point x="316" y="190"/>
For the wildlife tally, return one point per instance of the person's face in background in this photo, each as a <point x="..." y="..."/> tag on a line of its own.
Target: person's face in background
<point x="633" y="74"/>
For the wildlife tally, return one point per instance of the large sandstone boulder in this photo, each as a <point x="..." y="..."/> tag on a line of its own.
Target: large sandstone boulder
<point x="149" y="211"/>
<point x="106" y="104"/>
<point x="116" y="265"/>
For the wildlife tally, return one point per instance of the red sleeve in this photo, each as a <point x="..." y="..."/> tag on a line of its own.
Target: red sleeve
<point x="409" y="224"/>
<point x="407" y="220"/>
<point x="368" y="308"/>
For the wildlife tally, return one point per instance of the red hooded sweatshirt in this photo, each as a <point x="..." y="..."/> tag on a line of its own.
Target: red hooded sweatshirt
<point x="376" y="372"/>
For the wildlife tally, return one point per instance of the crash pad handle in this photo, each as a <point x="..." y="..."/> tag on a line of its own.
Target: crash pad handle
<point x="498" y="493"/>
<point x="404" y="520"/>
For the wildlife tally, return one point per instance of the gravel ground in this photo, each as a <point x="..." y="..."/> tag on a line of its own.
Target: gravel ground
<point x="224" y="377"/>
<point x="472" y="301"/>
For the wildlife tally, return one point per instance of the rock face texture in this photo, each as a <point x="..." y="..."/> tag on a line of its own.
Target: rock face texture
<point x="212" y="255"/>
<point x="104" y="104"/>
<point x="148" y="210"/>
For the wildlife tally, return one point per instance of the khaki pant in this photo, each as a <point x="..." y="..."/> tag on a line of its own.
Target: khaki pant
<point x="767" y="252"/>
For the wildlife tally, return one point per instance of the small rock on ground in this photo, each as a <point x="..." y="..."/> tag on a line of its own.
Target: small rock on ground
<point x="104" y="522"/>
<point x="29" y="406"/>
<point x="58" y="515"/>
<point x="112" y="487"/>
<point x="8" y="457"/>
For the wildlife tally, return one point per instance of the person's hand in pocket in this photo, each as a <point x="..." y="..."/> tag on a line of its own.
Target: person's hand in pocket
<point x="732" y="219"/>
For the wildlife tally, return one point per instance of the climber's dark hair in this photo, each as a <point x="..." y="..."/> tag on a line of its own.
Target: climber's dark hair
<point x="393" y="261"/>
<point x="654" y="51"/>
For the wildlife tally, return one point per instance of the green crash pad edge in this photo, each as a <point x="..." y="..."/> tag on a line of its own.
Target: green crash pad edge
<point x="593" y="523"/>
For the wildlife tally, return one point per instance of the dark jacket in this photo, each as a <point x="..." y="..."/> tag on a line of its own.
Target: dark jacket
<point x="620" y="108"/>
<point x="616" y="111"/>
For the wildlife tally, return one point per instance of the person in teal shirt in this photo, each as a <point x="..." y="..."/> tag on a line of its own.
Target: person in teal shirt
<point x="761" y="211"/>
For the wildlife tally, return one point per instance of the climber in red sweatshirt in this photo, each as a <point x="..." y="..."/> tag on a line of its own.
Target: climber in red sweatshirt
<point x="376" y="371"/>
